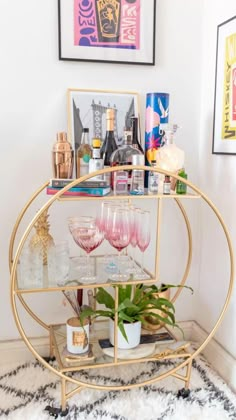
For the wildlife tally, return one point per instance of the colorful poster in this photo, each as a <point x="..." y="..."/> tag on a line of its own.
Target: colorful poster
<point x="229" y="91"/>
<point x="107" y="23"/>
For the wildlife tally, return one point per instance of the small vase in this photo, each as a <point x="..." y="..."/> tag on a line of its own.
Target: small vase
<point x="152" y="323"/>
<point x="77" y="336"/>
<point x="133" y="332"/>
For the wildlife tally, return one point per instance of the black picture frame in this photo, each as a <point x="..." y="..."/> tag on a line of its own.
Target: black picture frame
<point x="134" y="31"/>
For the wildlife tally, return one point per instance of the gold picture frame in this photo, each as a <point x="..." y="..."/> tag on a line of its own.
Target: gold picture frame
<point x="87" y="108"/>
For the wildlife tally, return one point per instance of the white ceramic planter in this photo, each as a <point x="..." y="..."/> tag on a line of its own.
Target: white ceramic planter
<point x="133" y="332"/>
<point x="77" y="337"/>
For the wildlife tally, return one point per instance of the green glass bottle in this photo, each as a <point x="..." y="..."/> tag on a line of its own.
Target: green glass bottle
<point x="181" y="187"/>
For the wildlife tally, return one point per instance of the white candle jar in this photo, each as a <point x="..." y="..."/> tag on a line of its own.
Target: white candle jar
<point x="77" y="336"/>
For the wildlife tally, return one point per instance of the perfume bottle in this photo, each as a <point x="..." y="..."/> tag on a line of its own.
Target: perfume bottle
<point x="62" y="157"/>
<point x="153" y="180"/>
<point x="137" y="181"/>
<point x="166" y="185"/>
<point x="120" y="183"/>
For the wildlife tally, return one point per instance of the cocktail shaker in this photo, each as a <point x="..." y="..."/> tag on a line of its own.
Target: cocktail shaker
<point x="62" y="157"/>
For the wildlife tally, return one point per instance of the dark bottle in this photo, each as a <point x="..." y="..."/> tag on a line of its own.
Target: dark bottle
<point x="109" y="145"/>
<point x="135" y="136"/>
<point x="108" y="20"/>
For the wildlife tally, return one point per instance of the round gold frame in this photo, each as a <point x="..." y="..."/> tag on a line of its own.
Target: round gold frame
<point x="188" y="357"/>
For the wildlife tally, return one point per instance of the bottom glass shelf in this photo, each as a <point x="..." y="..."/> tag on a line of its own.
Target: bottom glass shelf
<point x="154" y="346"/>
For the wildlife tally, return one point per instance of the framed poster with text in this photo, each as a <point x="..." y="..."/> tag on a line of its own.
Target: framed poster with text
<point x="224" y="125"/>
<point x="113" y="31"/>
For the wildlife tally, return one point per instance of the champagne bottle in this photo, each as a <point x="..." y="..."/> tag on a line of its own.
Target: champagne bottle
<point x="84" y="154"/>
<point x="135" y="136"/>
<point x="109" y="144"/>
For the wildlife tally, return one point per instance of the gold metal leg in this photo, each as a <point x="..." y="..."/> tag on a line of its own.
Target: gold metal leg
<point x="188" y="374"/>
<point x="63" y="394"/>
<point x="51" y="347"/>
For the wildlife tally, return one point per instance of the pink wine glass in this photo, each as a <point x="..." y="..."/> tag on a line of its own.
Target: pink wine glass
<point x="134" y="220"/>
<point x="143" y="237"/>
<point x="87" y="235"/>
<point x="119" y="235"/>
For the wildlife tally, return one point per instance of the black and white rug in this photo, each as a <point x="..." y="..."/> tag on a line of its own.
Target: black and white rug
<point x="25" y="391"/>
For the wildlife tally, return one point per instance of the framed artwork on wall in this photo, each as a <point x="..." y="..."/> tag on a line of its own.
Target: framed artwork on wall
<point x="224" y="123"/>
<point x="112" y="31"/>
<point x="87" y="109"/>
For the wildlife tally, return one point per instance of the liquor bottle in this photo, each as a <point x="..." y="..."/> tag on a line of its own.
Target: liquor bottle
<point x="96" y="163"/>
<point x="84" y="154"/>
<point x="109" y="145"/>
<point x="135" y="136"/>
<point x="125" y="153"/>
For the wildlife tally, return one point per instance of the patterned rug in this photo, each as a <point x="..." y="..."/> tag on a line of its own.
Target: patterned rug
<point x="25" y="391"/>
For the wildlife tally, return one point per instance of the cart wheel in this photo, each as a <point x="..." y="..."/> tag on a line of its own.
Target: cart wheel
<point x="49" y="359"/>
<point x="183" y="393"/>
<point x="55" y="412"/>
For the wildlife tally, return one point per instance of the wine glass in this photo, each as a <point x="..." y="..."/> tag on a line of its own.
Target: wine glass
<point x="143" y="237"/>
<point x="118" y="235"/>
<point x="88" y="236"/>
<point x="134" y="220"/>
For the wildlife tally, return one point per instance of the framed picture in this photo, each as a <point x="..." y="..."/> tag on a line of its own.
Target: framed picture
<point x="224" y="125"/>
<point x="114" y="31"/>
<point x="87" y="109"/>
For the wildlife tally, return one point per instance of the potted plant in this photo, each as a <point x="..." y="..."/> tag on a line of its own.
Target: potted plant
<point x="151" y="322"/>
<point x="134" y="306"/>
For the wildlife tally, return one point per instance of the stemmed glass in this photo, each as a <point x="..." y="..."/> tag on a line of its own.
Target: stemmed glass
<point x="118" y="235"/>
<point x="134" y="220"/>
<point x="143" y="237"/>
<point x="88" y="236"/>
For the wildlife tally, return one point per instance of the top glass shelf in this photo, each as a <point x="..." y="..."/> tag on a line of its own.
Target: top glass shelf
<point x="111" y="196"/>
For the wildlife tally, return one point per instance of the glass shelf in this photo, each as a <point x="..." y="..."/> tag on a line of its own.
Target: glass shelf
<point x="163" y="348"/>
<point x="102" y="269"/>
<point x="111" y="196"/>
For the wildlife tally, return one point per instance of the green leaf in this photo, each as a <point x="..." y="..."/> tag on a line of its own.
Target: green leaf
<point x="103" y="297"/>
<point x="128" y="304"/>
<point x="108" y="314"/>
<point x="122" y="330"/>
<point x="125" y="317"/>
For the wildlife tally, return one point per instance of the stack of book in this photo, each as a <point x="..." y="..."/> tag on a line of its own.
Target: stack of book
<point x="85" y="188"/>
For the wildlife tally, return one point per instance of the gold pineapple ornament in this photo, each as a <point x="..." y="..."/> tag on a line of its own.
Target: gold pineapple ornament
<point x="42" y="237"/>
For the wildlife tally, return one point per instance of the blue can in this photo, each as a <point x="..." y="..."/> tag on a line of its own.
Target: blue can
<point x="157" y="113"/>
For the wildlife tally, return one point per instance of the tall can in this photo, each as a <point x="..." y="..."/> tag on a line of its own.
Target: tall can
<point x="157" y="114"/>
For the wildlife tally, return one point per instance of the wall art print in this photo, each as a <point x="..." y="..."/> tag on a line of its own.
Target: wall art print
<point x="119" y="31"/>
<point x="224" y="125"/>
<point x="87" y="108"/>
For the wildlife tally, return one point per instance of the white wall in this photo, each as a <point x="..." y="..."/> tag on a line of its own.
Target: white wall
<point x="33" y="86"/>
<point x="217" y="174"/>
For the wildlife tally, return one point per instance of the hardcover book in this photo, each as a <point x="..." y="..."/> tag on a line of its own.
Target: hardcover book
<point x="80" y="191"/>
<point x="61" y="183"/>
